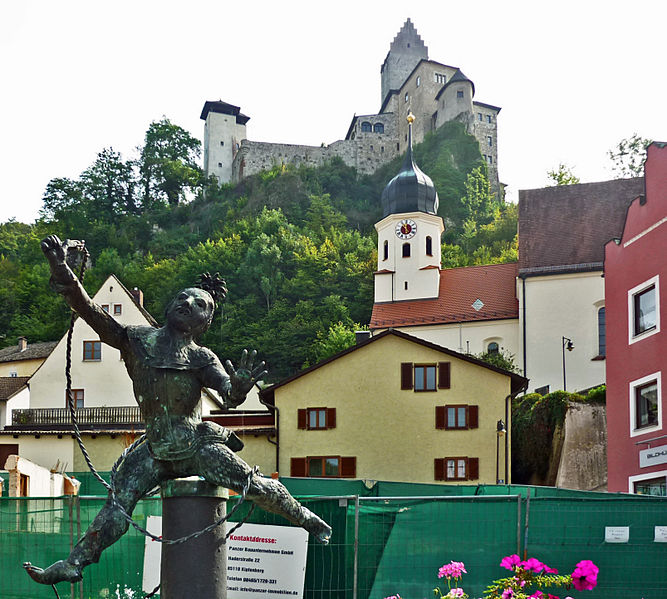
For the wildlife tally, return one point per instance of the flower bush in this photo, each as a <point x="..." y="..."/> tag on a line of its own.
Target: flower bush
<point x="530" y="579"/>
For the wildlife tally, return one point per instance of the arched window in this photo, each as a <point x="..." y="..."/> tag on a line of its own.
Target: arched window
<point x="492" y="348"/>
<point x="386" y="249"/>
<point x="602" y="334"/>
<point x="429" y="246"/>
<point x="366" y="127"/>
<point x="406" y="250"/>
<point x="378" y="128"/>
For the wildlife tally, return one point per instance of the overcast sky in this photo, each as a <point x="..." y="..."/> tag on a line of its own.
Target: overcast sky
<point x="573" y="78"/>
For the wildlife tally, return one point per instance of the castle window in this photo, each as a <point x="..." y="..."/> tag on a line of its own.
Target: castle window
<point x="419" y="80"/>
<point x="378" y="128"/>
<point x="406" y="250"/>
<point x="220" y="164"/>
<point x="440" y="78"/>
<point x="386" y="250"/>
<point x="381" y="148"/>
<point x="489" y="140"/>
<point x="398" y="147"/>
<point x="459" y="93"/>
<point x="481" y="116"/>
<point x="407" y="96"/>
<point x="371" y="148"/>
<point x="222" y="143"/>
<point x="366" y="127"/>
<point x="489" y="159"/>
<point x="488" y="118"/>
<point x="429" y="246"/>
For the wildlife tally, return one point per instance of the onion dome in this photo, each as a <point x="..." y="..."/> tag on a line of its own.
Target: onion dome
<point x="411" y="190"/>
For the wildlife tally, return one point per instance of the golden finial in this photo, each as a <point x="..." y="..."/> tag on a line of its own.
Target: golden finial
<point x="410" y="117"/>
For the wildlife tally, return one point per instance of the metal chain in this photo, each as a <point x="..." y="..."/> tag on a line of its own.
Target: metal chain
<point x="110" y="486"/>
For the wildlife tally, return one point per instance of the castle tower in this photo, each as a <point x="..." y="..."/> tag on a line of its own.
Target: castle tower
<point x="408" y="235"/>
<point x="224" y="128"/>
<point x="405" y="52"/>
<point x="455" y="101"/>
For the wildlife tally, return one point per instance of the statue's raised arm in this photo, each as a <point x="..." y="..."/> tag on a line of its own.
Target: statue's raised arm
<point x="65" y="282"/>
<point x="232" y="383"/>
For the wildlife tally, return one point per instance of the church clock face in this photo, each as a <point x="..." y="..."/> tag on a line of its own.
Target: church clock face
<point x="406" y="228"/>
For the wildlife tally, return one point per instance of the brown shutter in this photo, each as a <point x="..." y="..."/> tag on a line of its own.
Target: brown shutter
<point x="302" y="420"/>
<point x="348" y="467"/>
<point x="444" y="375"/>
<point x="331" y="417"/>
<point x="473" y="468"/>
<point x="406" y="375"/>
<point x="298" y="467"/>
<point x="440" y="417"/>
<point x="439" y="464"/>
<point x="473" y="417"/>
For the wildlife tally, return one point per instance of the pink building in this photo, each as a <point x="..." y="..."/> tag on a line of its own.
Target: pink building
<point x="635" y="270"/>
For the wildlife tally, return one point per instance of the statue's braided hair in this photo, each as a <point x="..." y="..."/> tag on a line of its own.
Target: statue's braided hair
<point x="214" y="285"/>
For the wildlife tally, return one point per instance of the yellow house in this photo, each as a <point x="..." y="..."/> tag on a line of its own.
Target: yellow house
<point x="399" y="408"/>
<point x="24" y="358"/>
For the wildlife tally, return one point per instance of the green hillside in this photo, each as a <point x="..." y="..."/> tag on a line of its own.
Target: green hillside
<point x="296" y="246"/>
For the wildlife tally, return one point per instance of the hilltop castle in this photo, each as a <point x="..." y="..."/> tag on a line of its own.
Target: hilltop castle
<point x="410" y="82"/>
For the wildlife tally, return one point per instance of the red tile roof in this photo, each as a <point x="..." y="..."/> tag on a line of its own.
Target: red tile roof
<point x="493" y="284"/>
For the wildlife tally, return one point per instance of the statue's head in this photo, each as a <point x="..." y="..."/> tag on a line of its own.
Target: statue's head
<point x="191" y="311"/>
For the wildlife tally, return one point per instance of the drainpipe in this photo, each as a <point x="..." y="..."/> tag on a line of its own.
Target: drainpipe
<point x="276" y="411"/>
<point x="523" y="310"/>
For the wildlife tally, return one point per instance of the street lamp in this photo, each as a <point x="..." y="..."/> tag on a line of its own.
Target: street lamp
<point x="500" y="431"/>
<point x="569" y="346"/>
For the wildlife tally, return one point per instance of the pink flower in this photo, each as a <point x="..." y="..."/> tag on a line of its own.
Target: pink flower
<point x="508" y="594"/>
<point x="393" y="597"/>
<point x="510" y="561"/>
<point x="455" y="592"/>
<point x="554" y="596"/>
<point x="549" y="570"/>
<point x="585" y="575"/>
<point x="452" y="570"/>
<point x="532" y="565"/>
<point x="536" y="595"/>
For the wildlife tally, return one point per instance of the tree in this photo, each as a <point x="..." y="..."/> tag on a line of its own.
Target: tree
<point x="628" y="156"/>
<point x="502" y="359"/>
<point x="563" y="175"/>
<point x="338" y="337"/>
<point x="108" y="185"/>
<point x="168" y="164"/>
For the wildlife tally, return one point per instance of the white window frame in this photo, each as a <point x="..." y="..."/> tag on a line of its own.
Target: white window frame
<point x="634" y="432"/>
<point x="639" y="477"/>
<point x="632" y="338"/>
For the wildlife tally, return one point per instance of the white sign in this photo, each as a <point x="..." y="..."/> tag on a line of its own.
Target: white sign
<point x="660" y="534"/>
<point x="262" y="561"/>
<point x="266" y="561"/>
<point x="616" y="534"/>
<point x="653" y="456"/>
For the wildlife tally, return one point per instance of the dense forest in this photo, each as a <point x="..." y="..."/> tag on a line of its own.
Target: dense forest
<point x="296" y="245"/>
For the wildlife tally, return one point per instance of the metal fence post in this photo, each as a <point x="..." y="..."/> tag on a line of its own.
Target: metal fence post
<point x="356" y="547"/>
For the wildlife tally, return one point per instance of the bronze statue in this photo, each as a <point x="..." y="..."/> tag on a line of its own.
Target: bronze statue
<point x="168" y="371"/>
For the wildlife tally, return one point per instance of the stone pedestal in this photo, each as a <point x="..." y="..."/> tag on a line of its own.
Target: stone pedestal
<point x="198" y="567"/>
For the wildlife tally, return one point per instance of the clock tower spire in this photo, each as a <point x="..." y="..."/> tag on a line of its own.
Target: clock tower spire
<point x="408" y="235"/>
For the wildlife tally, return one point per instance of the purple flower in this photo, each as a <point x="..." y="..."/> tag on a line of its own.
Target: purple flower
<point x="585" y="575"/>
<point x="532" y="565"/>
<point x="452" y="570"/>
<point x="455" y="592"/>
<point x="510" y="561"/>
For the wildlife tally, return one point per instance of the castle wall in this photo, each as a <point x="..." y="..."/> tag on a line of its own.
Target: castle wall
<point x="222" y="137"/>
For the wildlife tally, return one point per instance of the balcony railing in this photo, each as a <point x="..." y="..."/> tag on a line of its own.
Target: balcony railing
<point x="102" y="416"/>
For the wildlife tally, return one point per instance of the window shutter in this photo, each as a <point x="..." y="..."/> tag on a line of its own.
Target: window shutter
<point x="444" y="375"/>
<point x="302" y="420"/>
<point x="439" y="464"/>
<point x="440" y="417"/>
<point x="473" y="468"/>
<point x="298" y="467"/>
<point x="406" y="375"/>
<point x="473" y="416"/>
<point x="348" y="467"/>
<point x="331" y="417"/>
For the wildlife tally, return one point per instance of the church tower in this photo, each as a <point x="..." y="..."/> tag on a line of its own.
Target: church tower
<point x="404" y="54"/>
<point x="409" y="235"/>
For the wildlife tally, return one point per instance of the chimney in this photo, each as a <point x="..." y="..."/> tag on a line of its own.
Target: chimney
<point x="138" y="296"/>
<point x="23" y="344"/>
<point x="361" y="336"/>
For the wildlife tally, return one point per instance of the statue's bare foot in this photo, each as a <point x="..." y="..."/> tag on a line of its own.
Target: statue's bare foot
<point x="59" y="572"/>
<point x="316" y="526"/>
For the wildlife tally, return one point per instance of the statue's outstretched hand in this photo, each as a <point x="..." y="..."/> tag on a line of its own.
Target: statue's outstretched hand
<point x="244" y="377"/>
<point x="54" y="250"/>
